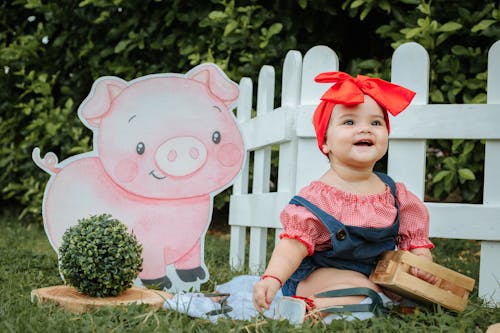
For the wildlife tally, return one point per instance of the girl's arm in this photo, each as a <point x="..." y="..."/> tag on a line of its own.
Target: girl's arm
<point x="286" y="258"/>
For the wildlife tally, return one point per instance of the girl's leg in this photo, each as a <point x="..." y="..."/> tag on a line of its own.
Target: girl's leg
<point x="324" y="279"/>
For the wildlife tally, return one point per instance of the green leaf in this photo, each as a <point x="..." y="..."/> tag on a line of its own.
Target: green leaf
<point x="385" y="5"/>
<point x="122" y="45"/>
<point x="440" y="175"/>
<point x="217" y="15"/>
<point x="32" y="4"/>
<point x="383" y="29"/>
<point x="410" y="33"/>
<point x="483" y="25"/>
<point x="369" y="64"/>
<point x="357" y="3"/>
<point x="84" y="3"/>
<point x="365" y="12"/>
<point x="478" y="99"/>
<point x="425" y="8"/>
<point x="275" y="29"/>
<point x="436" y="96"/>
<point x="449" y="182"/>
<point x="441" y="38"/>
<point x="496" y="14"/>
<point x="450" y="26"/>
<point x="466" y="174"/>
<point x="468" y="147"/>
<point x="456" y="144"/>
<point x="460" y="50"/>
<point x="230" y="27"/>
<point x="423" y="22"/>
<point x="450" y="162"/>
<point x="102" y="16"/>
<point x="438" y="190"/>
<point x="474" y="84"/>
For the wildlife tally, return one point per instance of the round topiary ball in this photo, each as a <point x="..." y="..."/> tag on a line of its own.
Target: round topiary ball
<point x="99" y="257"/>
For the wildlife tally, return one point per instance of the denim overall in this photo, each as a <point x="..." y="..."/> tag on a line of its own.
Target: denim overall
<point x="353" y="248"/>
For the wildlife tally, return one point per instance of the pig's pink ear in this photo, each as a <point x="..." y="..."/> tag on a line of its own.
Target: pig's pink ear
<point x="217" y="82"/>
<point x="97" y="104"/>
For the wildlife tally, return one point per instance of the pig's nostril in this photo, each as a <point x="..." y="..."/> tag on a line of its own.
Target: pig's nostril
<point x="194" y="153"/>
<point x="172" y="155"/>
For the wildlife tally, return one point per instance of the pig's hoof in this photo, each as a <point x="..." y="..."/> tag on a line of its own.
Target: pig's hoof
<point x="190" y="275"/>
<point x="160" y="283"/>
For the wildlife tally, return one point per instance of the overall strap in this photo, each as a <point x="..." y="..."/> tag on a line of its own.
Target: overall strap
<point x="323" y="216"/>
<point x="389" y="181"/>
<point x="392" y="186"/>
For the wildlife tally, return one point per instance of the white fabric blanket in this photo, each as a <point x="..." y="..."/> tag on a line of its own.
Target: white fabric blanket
<point x="240" y="300"/>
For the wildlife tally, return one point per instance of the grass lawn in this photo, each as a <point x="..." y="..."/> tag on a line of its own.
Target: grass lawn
<point x="28" y="262"/>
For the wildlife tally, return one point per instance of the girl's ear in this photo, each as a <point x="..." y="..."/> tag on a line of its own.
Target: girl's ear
<point x="325" y="149"/>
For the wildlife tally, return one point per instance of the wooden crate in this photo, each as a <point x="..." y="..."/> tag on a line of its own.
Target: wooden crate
<point x="451" y="291"/>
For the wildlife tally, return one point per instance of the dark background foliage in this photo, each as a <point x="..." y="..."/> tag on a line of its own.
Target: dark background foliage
<point x="52" y="51"/>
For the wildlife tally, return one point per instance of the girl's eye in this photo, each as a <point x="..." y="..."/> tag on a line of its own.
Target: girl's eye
<point x="348" y="122"/>
<point x="376" y="123"/>
<point x="216" y="137"/>
<point x="140" y="148"/>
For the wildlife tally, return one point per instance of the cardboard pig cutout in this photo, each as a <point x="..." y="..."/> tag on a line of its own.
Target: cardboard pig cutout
<point x="164" y="145"/>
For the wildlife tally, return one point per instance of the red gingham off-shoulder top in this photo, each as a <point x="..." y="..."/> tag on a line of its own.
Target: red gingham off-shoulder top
<point x="370" y="211"/>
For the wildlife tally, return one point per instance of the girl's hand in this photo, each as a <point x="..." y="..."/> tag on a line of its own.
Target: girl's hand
<point x="428" y="277"/>
<point x="263" y="293"/>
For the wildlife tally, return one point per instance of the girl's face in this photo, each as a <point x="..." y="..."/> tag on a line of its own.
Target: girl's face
<point x="357" y="136"/>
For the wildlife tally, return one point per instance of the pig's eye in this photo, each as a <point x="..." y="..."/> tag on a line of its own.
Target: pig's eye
<point x="140" y="148"/>
<point x="216" y="137"/>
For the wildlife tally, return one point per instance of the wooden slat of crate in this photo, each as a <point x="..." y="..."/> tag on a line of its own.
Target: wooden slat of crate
<point x="392" y="272"/>
<point x="72" y="300"/>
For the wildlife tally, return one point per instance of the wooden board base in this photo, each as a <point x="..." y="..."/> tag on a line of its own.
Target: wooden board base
<point x="393" y="272"/>
<point x="74" y="301"/>
<point x="495" y="328"/>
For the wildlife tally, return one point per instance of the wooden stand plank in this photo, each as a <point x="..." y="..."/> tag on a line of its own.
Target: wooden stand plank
<point x="393" y="272"/>
<point x="74" y="301"/>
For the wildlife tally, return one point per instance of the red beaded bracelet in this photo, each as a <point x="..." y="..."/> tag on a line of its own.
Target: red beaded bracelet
<point x="272" y="277"/>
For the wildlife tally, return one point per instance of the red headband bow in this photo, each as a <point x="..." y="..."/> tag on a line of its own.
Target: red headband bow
<point x="350" y="91"/>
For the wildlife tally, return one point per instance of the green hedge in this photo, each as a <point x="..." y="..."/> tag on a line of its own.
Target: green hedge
<point x="51" y="52"/>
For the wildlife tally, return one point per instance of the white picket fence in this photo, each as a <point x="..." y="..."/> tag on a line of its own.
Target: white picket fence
<point x="289" y="127"/>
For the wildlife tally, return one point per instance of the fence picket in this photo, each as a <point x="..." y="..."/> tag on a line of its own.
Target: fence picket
<point x="489" y="270"/>
<point x="262" y="169"/>
<point x="406" y="163"/>
<point x="240" y="185"/>
<point x="317" y="60"/>
<point x="310" y="161"/>
<point x="290" y="99"/>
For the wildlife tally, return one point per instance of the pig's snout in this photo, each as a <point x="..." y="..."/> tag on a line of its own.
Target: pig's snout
<point x="181" y="156"/>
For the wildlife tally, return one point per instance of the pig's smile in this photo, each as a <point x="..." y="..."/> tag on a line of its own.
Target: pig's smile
<point x="152" y="173"/>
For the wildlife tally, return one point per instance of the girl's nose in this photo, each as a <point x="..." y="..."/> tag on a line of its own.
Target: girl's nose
<point x="364" y="128"/>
